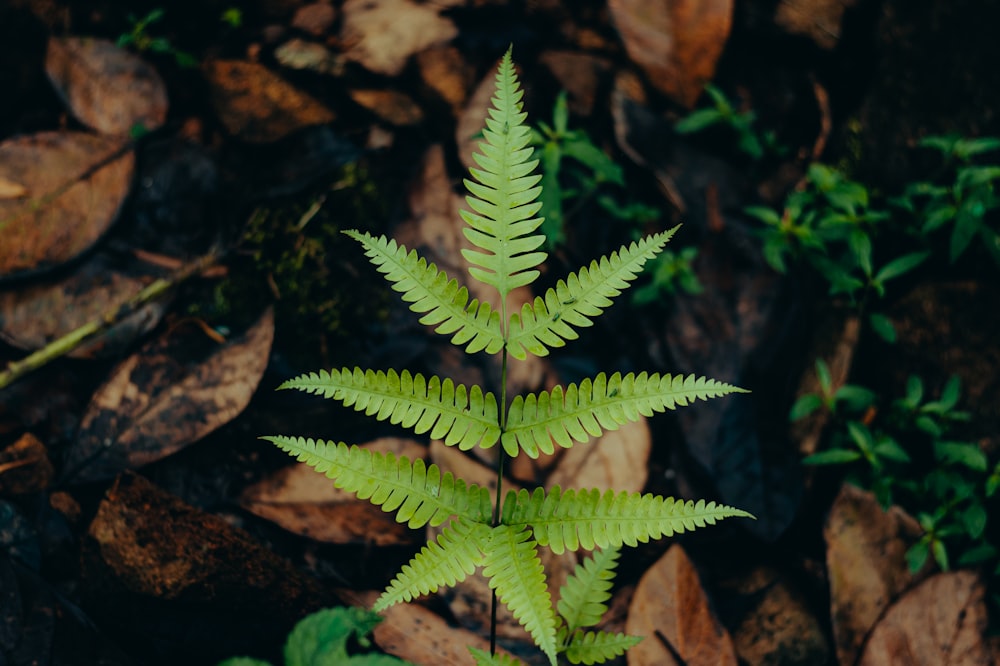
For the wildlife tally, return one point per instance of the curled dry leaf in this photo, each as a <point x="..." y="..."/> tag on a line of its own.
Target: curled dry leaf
<point x="670" y="608"/>
<point x="259" y="106"/>
<point x="866" y="563"/>
<point x="383" y="35"/>
<point x="309" y="504"/>
<point x="106" y="87"/>
<point x="24" y="467"/>
<point x="677" y="44"/>
<point x="941" y="621"/>
<point x="34" y="316"/>
<point x="75" y="183"/>
<point x="166" y="396"/>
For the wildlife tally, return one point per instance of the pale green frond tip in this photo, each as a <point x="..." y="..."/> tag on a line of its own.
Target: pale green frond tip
<point x="484" y="658"/>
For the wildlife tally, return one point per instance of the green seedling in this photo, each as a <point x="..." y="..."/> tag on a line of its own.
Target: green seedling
<point x="501" y="534"/>
<point x="321" y="639"/>
<point x="723" y="114"/>
<point x="139" y="38"/>
<point x="671" y="272"/>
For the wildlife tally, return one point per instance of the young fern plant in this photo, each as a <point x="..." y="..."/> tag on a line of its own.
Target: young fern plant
<point x="502" y="535"/>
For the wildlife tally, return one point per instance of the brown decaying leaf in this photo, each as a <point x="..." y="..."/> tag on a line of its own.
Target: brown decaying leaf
<point x="36" y="315"/>
<point x="866" y="563"/>
<point x="259" y="106"/>
<point x="941" y="621"/>
<point x="305" y="502"/>
<point x="819" y="20"/>
<point x="24" y="467"/>
<point x="444" y="70"/>
<point x="392" y="106"/>
<point x="677" y="44"/>
<point x="383" y="35"/>
<point x="670" y="608"/>
<point x="158" y="400"/>
<point x="11" y="190"/>
<point x="77" y="184"/>
<point x="106" y="87"/>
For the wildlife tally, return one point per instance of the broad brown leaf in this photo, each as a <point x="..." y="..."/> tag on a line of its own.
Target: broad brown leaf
<point x="676" y="43"/>
<point x="383" y="35"/>
<point x="305" y="502"/>
<point x="670" y="608"/>
<point x="75" y="184"/>
<point x="166" y="396"/>
<point x="106" y="87"/>
<point x="941" y="621"/>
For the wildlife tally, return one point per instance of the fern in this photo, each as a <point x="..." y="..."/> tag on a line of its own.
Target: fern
<point x="501" y="535"/>
<point x="578" y="413"/>
<point x="487" y="659"/>
<point x="549" y="322"/>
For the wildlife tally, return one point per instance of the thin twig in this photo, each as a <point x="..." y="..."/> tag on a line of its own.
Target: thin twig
<point x="74" y="339"/>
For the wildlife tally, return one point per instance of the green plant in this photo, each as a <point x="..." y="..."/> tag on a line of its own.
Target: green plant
<point x="589" y="174"/>
<point x="502" y="534"/>
<point x="962" y="196"/>
<point x="723" y="114"/>
<point x="138" y="36"/>
<point x="945" y="483"/>
<point x="671" y="271"/>
<point x="321" y="639"/>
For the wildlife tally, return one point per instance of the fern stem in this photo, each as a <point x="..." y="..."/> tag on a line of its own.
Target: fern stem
<point x="502" y="418"/>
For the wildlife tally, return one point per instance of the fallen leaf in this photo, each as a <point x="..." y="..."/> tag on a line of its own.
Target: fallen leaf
<point x="300" y="54"/>
<point x="169" y="394"/>
<point x="819" y="20"/>
<point x="25" y="467"/>
<point x="382" y="35"/>
<point x="392" y="106"/>
<point x="106" y="87"/>
<point x="304" y="502"/>
<point x="866" y="564"/>
<point x="671" y="610"/>
<point x="777" y="625"/>
<point x="445" y="70"/>
<point x="580" y="74"/>
<point x="677" y="43"/>
<point x="257" y="105"/>
<point x="470" y="123"/>
<point x="942" y="621"/>
<point x="34" y="316"/>
<point x="78" y="183"/>
<point x="617" y="460"/>
<point x="314" y="18"/>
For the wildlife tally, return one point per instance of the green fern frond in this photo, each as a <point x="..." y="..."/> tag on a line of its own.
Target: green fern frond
<point x="582" y="597"/>
<point x="588" y="519"/>
<point x="515" y="571"/>
<point x="417" y="493"/>
<point x="446" y="410"/>
<point x="595" y="647"/>
<point x="432" y="293"/>
<point x="504" y="198"/>
<point x="577" y="413"/>
<point x="455" y="554"/>
<point x="487" y="659"/>
<point x="582" y="295"/>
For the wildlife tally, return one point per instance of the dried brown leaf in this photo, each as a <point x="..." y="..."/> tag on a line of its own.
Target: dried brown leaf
<point x="77" y="184"/>
<point x="383" y="35"/>
<point x="670" y="608"/>
<point x="166" y="396"/>
<point x="106" y="87"/>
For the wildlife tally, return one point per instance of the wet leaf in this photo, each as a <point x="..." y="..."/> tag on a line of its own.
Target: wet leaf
<point x="257" y="105"/>
<point x="383" y="35"/>
<point x="106" y="87"/>
<point x="866" y="564"/>
<point x="677" y="44"/>
<point x="167" y="396"/>
<point x="75" y="185"/>
<point x="941" y="621"/>
<point x="307" y="503"/>
<point x="34" y="316"/>
<point x="670" y="608"/>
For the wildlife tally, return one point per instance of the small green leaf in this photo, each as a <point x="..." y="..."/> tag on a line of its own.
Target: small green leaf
<point x="940" y="554"/>
<point x="890" y="449"/>
<point x="967" y="223"/>
<point x="900" y="265"/>
<point x="699" y="120"/>
<point x="961" y="453"/>
<point x="916" y="556"/>
<point x="883" y="326"/>
<point x="914" y="391"/>
<point x="861" y="435"/>
<point x="804" y="406"/>
<point x="764" y="214"/>
<point x="950" y="393"/>
<point x="854" y="398"/>
<point x="321" y="639"/>
<point x="974" y="520"/>
<point x="823" y="375"/>
<point x="833" y="457"/>
<point x="977" y="555"/>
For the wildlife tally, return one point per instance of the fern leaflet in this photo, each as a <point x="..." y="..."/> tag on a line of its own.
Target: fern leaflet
<point x="582" y="295"/>
<point x="454" y="555"/>
<point x="595" y="647"/>
<point x="504" y="198"/>
<point x="515" y="572"/>
<point x="487" y="659"/>
<point x="446" y="410"/>
<point x="582" y="597"/>
<point x="588" y="519"/>
<point x="579" y="412"/>
<point x="419" y="494"/>
<point x="431" y="292"/>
